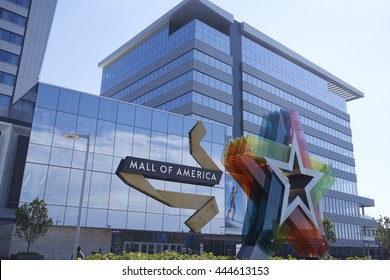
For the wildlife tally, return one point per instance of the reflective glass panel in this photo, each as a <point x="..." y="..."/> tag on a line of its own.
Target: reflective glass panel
<point x="171" y="223"/>
<point x="153" y="206"/>
<point x="141" y="144"/>
<point x="57" y="185"/>
<point x="218" y="134"/>
<point x="102" y="163"/>
<point x="34" y="182"/>
<point x="65" y="123"/>
<point x="89" y="105"/>
<point x="43" y="126"/>
<point x="71" y="216"/>
<point x="175" y="147"/>
<point x="38" y="153"/>
<point x="175" y="125"/>
<point x="137" y="201"/>
<point x="143" y="117"/>
<point x="47" y="96"/>
<point x="57" y="214"/>
<point x="154" y="222"/>
<point x="126" y="113"/>
<point x="75" y="185"/>
<point x="96" y="218"/>
<point x="160" y="121"/>
<point x="117" y="219"/>
<point x="123" y="140"/>
<point x="61" y="157"/>
<point x="158" y="146"/>
<point x="105" y="137"/>
<point x="108" y="109"/>
<point x="119" y="194"/>
<point x="68" y="101"/>
<point x="85" y="126"/>
<point x="136" y="220"/>
<point x="100" y="188"/>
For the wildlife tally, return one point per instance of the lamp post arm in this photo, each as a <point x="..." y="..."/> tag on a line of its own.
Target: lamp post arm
<point x="76" y="244"/>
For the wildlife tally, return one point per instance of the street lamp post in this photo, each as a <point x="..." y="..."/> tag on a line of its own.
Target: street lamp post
<point x="73" y="136"/>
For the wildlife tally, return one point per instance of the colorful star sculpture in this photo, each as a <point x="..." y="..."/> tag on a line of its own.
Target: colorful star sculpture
<point x="284" y="185"/>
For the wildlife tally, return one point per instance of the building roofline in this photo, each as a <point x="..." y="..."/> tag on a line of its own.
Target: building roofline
<point x="214" y="15"/>
<point x="163" y="20"/>
<point x="341" y="88"/>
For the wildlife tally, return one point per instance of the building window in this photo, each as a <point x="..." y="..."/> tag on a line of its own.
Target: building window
<point x="12" y="17"/>
<point x="24" y="3"/>
<point x="7" y="79"/>
<point x="11" y="37"/>
<point x="5" y="101"/>
<point x="9" y="57"/>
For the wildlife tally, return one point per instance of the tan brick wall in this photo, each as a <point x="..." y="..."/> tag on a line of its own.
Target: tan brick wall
<point x="58" y="242"/>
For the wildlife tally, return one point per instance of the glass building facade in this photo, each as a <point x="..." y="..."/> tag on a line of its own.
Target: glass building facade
<point x="194" y="63"/>
<point x="54" y="166"/>
<point x="211" y="67"/>
<point x="24" y="31"/>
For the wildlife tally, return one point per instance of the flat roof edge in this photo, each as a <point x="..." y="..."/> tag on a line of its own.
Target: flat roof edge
<point x="300" y="60"/>
<point x="160" y="22"/>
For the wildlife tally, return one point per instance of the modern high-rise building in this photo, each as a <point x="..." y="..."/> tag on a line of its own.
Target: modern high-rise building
<point x="147" y="176"/>
<point x="196" y="60"/>
<point x="24" y="31"/>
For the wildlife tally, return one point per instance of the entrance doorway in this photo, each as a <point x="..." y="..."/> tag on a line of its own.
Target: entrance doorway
<point x="151" y="248"/>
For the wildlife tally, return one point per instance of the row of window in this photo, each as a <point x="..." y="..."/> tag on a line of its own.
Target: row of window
<point x="346" y="186"/>
<point x="108" y="111"/>
<point x="213" y="62"/>
<point x="158" y="46"/>
<point x="335" y="164"/>
<point x="13" y="17"/>
<point x="136" y="59"/>
<point x="124" y="141"/>
<point x="212" y="37"/>
<point x="212" y="82"/>
<point x="11" y="37"/>
<point x="229" y="128"/>
<point x="7" y="79"/>
<point x="154" y="75"/>
<point x="5" y="100"/>
<point x="347" y="231"/>
<point x="181" y="80"/>
<point x="252" y="118"/>
<point x="253" y="99"/>
<point x="107" y="200"/>
<point x="9" y="57"/>
<point x="197" y="98"/>
<point x="293" y="99"/>
<point x="326" y="129"/>
<point x="109" y="138"/>
<point x="327" y="145"/>
<point x="194" y="54"/>
<point x="277" y="66"/>
<point x="341" y="207"/>
<point x="24" y="3"/>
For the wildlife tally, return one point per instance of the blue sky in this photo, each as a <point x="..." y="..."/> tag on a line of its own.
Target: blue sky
<point x="348" y="38"/>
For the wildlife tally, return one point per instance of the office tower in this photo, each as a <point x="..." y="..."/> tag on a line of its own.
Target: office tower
<point x="196" y="60"/>
<point x="24" y="31"/>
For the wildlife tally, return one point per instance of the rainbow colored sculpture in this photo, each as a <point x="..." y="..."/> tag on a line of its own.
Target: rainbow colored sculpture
<point x="284" y="185"/>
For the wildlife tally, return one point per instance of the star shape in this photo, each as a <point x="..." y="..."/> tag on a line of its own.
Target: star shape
<point x="298" y="181"/>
